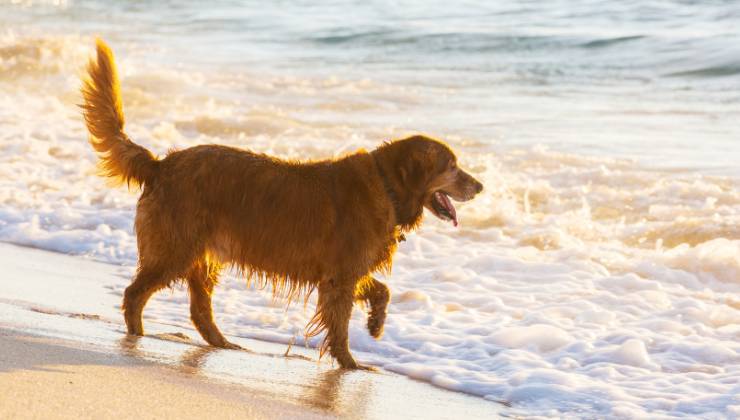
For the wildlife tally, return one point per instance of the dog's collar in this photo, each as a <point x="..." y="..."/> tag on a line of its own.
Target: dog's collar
<point x="388" y="189"/>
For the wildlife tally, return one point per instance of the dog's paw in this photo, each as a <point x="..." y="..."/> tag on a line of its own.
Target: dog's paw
<point x="375" y="325"/>
<point x="231" y="346"/>
<point x="227" y="345"/>
<point x="367" y="368"/>
<point x="356" y="366"/>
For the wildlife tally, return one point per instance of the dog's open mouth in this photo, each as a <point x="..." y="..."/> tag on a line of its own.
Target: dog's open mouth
<point x="442" y="207"/>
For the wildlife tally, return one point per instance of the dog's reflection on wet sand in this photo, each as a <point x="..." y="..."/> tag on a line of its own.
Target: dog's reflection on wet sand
<point x="334" y="390"/>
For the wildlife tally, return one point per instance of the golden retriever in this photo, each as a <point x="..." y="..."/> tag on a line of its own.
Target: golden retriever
<point x="297" y="226"/>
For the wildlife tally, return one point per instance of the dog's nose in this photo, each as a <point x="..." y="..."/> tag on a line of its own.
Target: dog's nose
<point x="478" y="187"/>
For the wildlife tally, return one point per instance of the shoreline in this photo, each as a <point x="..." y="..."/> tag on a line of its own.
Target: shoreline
<point x="59" y="328"/>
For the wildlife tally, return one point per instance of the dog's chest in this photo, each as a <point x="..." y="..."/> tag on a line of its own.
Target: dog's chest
<point x="382" y="257"/>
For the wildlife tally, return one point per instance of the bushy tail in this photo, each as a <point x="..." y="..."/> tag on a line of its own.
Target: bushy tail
<point x="120" y="158"/>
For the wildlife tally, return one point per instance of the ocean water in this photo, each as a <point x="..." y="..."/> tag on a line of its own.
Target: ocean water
<point x="597" y="275"/>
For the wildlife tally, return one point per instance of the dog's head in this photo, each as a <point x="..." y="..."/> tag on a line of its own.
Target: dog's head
<point x="426" y="174"/>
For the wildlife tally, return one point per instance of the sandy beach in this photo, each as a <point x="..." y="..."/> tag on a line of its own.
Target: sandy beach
<point x="50" y="378"/>
<point x="64" y="355"/>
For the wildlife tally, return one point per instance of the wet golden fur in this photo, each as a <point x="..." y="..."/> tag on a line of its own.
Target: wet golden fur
<point x="296" y="226"/>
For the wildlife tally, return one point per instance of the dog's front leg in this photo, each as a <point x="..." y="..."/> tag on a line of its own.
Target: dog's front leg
<point x="377" y="295"/>
<point x="333" y="312"/>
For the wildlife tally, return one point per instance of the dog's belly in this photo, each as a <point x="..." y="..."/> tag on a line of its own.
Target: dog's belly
<point x="220" y="251"/>
<point x="304" y="262"/>
<point x="289" y="260"/>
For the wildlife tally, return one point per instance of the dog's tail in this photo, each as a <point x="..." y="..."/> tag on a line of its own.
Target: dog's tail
<point x="120" y="158"/>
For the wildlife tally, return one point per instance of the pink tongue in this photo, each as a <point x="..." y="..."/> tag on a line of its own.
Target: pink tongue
<point x="450" y="208"/>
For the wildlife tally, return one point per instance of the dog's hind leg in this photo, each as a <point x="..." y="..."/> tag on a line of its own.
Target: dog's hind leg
<point x="201" y="278"/>
<point x="377" y="295"/>
<point x="146" y="282"/>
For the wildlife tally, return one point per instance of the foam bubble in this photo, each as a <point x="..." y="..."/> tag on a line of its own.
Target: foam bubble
<point x="542" y="338"/>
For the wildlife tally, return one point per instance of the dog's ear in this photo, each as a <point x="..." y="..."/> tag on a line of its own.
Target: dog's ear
<point x="413" y="170"/>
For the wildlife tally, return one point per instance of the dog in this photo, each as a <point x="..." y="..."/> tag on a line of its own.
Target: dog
<point x="322" y="225"/>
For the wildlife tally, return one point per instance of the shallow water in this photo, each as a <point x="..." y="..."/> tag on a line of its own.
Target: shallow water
<point x="598" y="271"/>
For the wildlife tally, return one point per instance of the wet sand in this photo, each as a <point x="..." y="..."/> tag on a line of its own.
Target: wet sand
<point x="46" y="378"/>
<point x="65" y="354"/>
